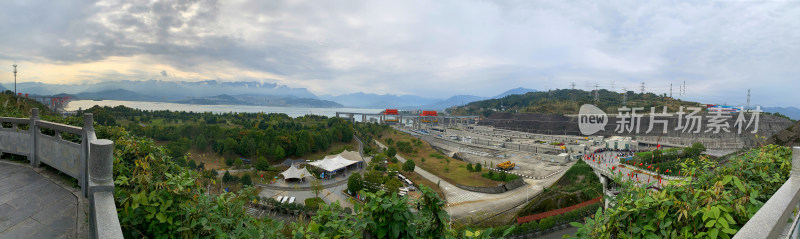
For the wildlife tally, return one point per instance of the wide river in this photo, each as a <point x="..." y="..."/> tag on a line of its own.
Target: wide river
<point x="291" y="111"/>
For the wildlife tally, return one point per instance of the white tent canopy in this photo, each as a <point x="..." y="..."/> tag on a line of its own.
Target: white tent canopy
<point x="294" y="172"/>
<point x="333" y="163"/>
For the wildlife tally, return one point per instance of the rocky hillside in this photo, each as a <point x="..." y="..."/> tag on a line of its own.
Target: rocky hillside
<point x="788" y="137"/>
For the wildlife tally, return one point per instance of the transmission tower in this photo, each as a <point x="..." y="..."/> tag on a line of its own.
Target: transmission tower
<point x="612" y="86"/>
<point x="596" y="93"/>
<point x="624" y="96"/>
<point x="684" y="88"/>
<point x="15" y="79"/>
<point x="572" y="85"/>
<point x="670" y="90"/>
<point x="748" y="100"/>
<point x="642" y="88"/>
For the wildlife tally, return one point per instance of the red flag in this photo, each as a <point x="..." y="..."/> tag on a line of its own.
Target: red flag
<point x="667" y="170"/>
<point x="658" y="146"/>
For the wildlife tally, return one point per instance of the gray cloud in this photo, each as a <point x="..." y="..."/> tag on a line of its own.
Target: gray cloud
<point x="435" y="48"/>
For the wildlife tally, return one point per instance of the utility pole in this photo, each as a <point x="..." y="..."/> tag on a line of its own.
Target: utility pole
<point x="642" y="87"/>
<point x="612" y="86"/>
<point x="670" y="90"/>
<point x="15" y="79"/>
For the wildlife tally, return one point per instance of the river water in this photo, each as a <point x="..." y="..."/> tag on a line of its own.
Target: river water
<point x="290" y="111"/>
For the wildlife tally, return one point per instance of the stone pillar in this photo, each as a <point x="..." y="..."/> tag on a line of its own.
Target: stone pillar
<point x="34" y="143"/>
<point x="363" y="118"/>
<point x="88" y="129"/>
<point x="101" y="162"/>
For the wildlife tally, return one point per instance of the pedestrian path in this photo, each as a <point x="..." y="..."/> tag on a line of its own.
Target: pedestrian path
<point x="33" y="206"/>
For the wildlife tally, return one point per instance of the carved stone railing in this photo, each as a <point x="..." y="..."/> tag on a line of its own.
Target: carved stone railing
<point x="771" y="220"/>
<point x="90" y="162"/>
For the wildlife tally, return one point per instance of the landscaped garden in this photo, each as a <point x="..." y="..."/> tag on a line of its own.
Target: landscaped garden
<point x="665" y="162"/>
<point x="426" y="157"/>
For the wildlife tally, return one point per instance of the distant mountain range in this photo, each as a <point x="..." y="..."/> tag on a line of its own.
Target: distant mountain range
<point x="515" y="91"/>
<point x="792" y="112"/>
<point x="243" y="93"/>
<point x="410" y="102"/>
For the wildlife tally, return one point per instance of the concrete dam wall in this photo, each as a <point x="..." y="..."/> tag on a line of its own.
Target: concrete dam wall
<point x="553" y="124"/>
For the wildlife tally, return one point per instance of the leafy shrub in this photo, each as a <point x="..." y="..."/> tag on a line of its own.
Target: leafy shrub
<point x="314" y="202"/>
<point x="710" y="205"/>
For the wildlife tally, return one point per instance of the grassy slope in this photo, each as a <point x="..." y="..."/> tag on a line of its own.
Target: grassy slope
<point x="457" y="169"/>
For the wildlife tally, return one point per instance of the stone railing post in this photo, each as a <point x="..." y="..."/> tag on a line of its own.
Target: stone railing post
<point x="86" y="137"/>
<point x="34" y="139"/>
<point x="103" y="220"/>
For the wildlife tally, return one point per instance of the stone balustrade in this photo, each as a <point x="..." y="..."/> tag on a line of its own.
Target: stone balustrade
<point x="81" y="156"/>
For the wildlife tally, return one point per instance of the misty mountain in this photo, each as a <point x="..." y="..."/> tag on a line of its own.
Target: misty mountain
<point x="115" y="94"/>
<point x="792" y="112"/>
<point x="375" y="101"/>
<point x="449" y="102"/>
<point x="2" y="88"/>
<point x="169" y="90"/>
<point x="262" y="100"/>
<point x="515" y="91"/>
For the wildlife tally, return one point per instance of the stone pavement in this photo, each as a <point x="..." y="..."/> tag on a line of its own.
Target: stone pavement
<point x="33" y="206"/>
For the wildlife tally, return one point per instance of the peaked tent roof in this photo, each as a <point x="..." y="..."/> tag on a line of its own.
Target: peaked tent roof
<point x="294" y="172"/>
<point x="333" y="163"/>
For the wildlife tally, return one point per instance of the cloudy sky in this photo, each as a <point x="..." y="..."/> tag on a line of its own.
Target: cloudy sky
<point x="429" y="48"/>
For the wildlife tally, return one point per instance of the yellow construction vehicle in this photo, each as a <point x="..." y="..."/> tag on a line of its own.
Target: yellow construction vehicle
<point x="507" y="165"/>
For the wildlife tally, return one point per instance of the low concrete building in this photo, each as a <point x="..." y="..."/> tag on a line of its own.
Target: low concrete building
<point x="560" y="158"/>
<point x="621" y="143"/>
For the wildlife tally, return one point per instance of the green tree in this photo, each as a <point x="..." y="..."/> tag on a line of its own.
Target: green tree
<point x="262" y="164"/>
<point x="391" y="152"/>
<point x="316" y="187"/>
<point x="389" y="141"/>
<point x="246" y="180"/>
<point x="191" y="164"/>
<point x="409" y="166"/>
<point x="354" y="183"/>
<point x="477" y="167"/>
<point x="278" y="153"/>
<point x="469" y="167"/>
<point x="393" y="185"/>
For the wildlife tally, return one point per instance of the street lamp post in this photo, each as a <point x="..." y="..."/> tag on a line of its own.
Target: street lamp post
<point x="15" y="79"/>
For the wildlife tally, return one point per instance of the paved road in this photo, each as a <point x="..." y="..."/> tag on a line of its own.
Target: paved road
<point x="33" y="206"/>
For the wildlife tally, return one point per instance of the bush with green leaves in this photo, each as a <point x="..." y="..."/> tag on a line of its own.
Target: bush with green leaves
<point x="469" y="167"/>
<point x="714" y="201"/>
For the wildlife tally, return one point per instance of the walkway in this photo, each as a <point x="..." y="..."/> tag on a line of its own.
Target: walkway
<point x="606" y="160"/>
<point x="33" y="206"/>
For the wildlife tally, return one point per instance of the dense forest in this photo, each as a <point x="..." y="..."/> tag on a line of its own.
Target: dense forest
<point x="566" y="101"/>
<point x="250" y="135"/>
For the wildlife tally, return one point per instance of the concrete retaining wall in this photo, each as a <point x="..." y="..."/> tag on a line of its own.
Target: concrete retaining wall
<point x="495" y="190"/>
